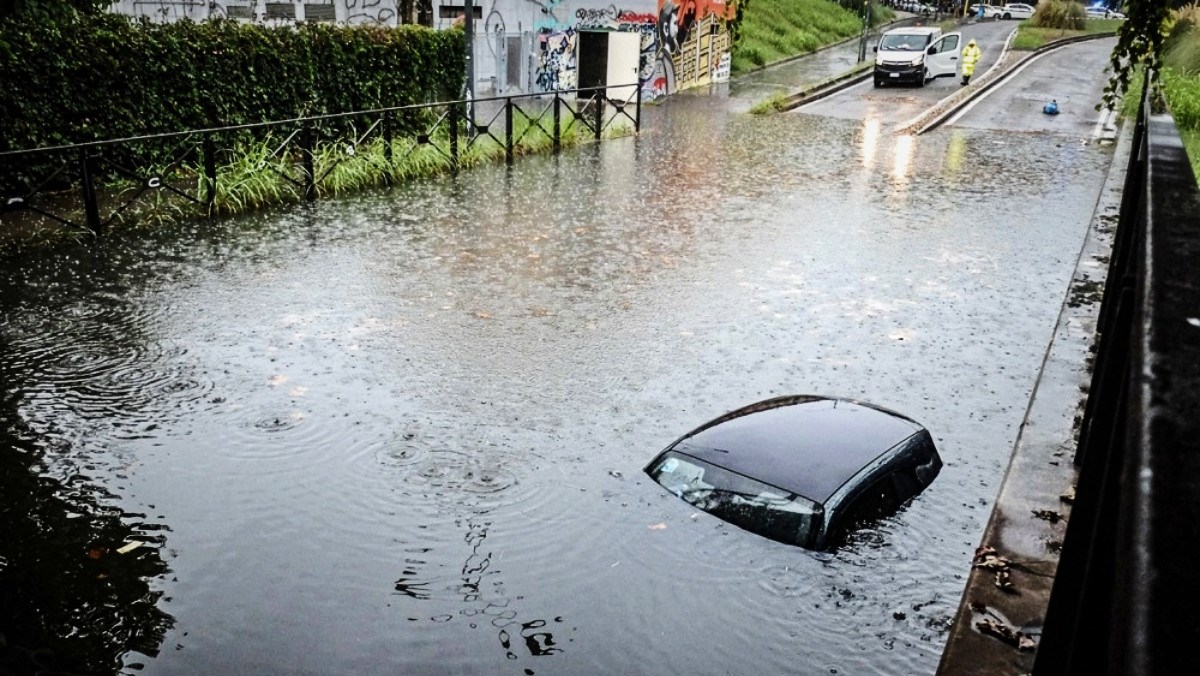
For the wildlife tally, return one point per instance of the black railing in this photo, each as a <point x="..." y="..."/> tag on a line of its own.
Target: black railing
<point x="1125" y="596"/>
<point x="73" y="185"/>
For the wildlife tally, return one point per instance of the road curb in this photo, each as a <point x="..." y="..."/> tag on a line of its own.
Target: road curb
<point x="937" y="120"/>
<point x="837" y="83"/>
<point x="1027" y="525"/>
<point x="824" y="89"/>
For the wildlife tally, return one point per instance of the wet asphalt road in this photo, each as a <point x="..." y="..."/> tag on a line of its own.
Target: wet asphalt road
<point x="896" y="104"/>
<point x="1052" y="77"/>
<point x="403" y="432"/>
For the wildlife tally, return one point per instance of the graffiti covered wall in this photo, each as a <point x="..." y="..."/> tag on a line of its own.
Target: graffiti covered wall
<point x="684" y="43"/>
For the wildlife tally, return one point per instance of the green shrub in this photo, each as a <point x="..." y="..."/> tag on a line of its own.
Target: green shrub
<point x="1181" y="48"/>
<point x="107" y="76"/>
<point x="1182" y="92"/>
<point x="1061" y="14"/>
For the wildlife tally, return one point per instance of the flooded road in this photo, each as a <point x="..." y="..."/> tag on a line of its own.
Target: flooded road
<point x="896" y="104"/>
<point x="404" y="432"/>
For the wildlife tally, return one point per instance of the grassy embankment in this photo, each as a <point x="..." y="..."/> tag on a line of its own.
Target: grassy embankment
<point x="1181" y="78"/>
<point x="1030" y="37"/>
<point x="1180" y="81"/>
<point x="773" y="30"/>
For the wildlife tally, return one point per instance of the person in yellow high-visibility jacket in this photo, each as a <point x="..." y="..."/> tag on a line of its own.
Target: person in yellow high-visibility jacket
<point x="970" y="56"/>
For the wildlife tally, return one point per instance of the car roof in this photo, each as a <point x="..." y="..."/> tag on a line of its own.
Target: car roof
<point x="808" y="445"/>
<point x="921" y="30"/>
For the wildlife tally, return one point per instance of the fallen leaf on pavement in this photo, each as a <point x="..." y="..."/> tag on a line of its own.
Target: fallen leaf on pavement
<point x="1048" y="515"/>
<point x="1004" y="581"/>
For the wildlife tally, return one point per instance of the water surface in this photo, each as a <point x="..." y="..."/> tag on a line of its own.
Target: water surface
<point x="404" y="431"/>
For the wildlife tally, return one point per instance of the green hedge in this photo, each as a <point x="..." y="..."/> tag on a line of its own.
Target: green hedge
<point x="107" y="76"/>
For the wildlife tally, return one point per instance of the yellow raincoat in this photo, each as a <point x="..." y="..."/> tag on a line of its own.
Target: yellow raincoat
<point x="970" y="56"/>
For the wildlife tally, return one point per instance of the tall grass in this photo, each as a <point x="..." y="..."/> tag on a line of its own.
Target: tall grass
<point x="773" y="30"/>
<point x="257" y="177"/>
<point x="1181" y="49"/>
<point x="1061" y="14"/>
<point x="1030" y="37"/>
<point x="1180" y="78"/>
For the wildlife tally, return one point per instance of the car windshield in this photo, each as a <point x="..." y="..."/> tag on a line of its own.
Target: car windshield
<point x="746" y="503"/>
<point x="902" y="43"/>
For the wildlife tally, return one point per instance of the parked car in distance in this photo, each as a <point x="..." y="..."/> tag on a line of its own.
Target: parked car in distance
<point x="802" y="470"/>
<point x="1016" y="10"/>
<point x="915" y="7"/>
<point x="989" y="11"/>
<point x="1102" y="12"/>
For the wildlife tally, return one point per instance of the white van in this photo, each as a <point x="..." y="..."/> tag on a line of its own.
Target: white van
<point x="916" y="54"/>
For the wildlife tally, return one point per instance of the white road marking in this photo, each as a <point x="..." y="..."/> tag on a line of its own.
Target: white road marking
<point x="967" y="108"/>
<point x="1103" y="123"/>
<point x="1003" y="52"/>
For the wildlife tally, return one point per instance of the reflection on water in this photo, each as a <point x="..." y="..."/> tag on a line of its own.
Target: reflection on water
<point x="872" y="129"/>
<point x="481" y="588"/>
<point x="902" y="155"/>
<point x="956" y="152"/>
<point x="403" y="432"/>
<point x="73" y="603"/>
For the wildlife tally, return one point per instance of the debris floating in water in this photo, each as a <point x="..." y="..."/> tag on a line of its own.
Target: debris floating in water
<point x="130" y="546"/>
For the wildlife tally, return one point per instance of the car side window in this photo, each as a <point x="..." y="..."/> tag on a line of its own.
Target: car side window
<point x="950" y="44"/>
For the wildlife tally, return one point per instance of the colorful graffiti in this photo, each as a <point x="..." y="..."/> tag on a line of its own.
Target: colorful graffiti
<point x="693" y="46"/>
<point x="685" y="44"/>
<point x="556" y="70"/>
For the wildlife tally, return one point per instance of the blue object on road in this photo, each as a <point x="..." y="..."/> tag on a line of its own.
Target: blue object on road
<point x="1050" y="108"/>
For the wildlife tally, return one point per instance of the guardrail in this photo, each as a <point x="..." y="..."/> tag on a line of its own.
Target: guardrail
<point x="63" y="183"/>
<point x="1124" y="599"/>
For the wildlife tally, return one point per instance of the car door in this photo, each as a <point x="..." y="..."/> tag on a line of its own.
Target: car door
<point x="942" y="57"/>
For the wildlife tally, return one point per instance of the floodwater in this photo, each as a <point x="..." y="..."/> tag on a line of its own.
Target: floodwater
<point x="403" y="432"/>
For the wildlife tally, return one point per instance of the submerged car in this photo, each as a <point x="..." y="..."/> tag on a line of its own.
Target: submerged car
<point x="802" y="470"/>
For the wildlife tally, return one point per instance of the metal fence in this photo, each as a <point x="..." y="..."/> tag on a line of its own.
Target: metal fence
<point x="1125" y="596"/>
<point x="88" y="186"/>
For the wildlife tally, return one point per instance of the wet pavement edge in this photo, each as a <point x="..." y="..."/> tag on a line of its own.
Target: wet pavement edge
<point x="1029" y="518"/>
<point x="951" y="103"/>
<point x="936" y="115"/>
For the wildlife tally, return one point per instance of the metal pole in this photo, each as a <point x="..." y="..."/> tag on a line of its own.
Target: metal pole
<point x="557" y="123"/>
<point x="210" y="171"/>
<point x="598" y="101"/>
<point x="453" y="120"/>
<point x="862" y="43"/>
<point x="387" y="146"/>
<point x="469" y="27"/>
<point x="508" y="131"/>
<point x="90" y="206"/>
<point x="637" y="112"/>
<point x="308" y="146"/>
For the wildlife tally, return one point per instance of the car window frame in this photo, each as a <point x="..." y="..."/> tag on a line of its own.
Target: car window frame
<point x="818" y="518"/>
